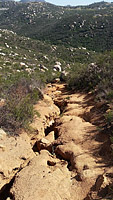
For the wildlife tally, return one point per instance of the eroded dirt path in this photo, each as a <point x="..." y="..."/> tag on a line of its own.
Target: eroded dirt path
<point x="81" y="144"/>
<point x="71" y="158"/>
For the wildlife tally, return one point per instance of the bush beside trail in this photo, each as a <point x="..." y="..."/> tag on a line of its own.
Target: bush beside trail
<point x="96" y="76"/>
<point x="19" y="97"/>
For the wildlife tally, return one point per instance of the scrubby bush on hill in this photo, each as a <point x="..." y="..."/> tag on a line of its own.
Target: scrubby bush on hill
<point x="96" y="76"/>
<point x="20" y="96"/>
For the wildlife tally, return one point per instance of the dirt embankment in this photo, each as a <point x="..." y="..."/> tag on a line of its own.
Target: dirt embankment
<point x="69" y="157"/>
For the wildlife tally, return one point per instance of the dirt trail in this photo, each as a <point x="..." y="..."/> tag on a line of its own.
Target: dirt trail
<point x="71" y="157"/>
<point x="80" y="143"/>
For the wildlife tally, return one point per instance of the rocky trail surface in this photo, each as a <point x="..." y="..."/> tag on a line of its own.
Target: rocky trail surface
<point x="65" y="158"/>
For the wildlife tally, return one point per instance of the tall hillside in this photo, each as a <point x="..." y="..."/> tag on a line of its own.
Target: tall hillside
<point x="81" y="26"/>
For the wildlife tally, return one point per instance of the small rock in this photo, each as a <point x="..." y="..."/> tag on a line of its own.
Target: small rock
<point x="51" y="122"/>
<point x="43" y="144"/>
<point x="2" y="133"/>
<point x="44" y="141"/>
<point x="2" y="102"/>
<point x="51" y="136"/>
<point x="8" y="198"/>
<point x="2" y="147"/>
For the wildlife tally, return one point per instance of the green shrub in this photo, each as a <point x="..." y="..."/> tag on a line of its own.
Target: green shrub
<point x="110" y="95"/>
<point x="96" y="76"/>
<point x="76" y="75"/>
<point x="109" y="117"/>
<point x="18" y="110"/>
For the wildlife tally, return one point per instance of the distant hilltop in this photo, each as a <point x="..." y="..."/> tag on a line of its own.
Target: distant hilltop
<point x="24" y="1"/>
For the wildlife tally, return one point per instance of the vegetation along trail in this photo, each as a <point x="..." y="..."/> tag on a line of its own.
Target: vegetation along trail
<point x="70" y="158"/>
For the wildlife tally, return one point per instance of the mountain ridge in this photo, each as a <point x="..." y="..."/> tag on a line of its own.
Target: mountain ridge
<point x="23" y="1"/>
<point x="26" y="1"/>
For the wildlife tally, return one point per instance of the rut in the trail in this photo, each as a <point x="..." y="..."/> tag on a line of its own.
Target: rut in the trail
<point x="72" y="159"/>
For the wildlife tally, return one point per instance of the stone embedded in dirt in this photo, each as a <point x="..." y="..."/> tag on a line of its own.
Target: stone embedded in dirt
<point x="2" y="133"/>
<point x="42" y="144"/>
<point x="12" y="151"/>
<point x="45" y="143"/>
<point x="51" y="136"/>
<point x="2" y="147"/>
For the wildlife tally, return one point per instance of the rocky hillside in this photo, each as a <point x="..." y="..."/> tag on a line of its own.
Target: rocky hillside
<point x="22" y="54"/>
<point x="86" y="26"/>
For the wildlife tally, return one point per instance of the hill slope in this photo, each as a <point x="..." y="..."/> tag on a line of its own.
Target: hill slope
<point x="20" y="55"/>
<point x="87" y="26"/>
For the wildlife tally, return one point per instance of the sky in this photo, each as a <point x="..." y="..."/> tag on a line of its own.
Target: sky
<point x="73" y="2"/>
